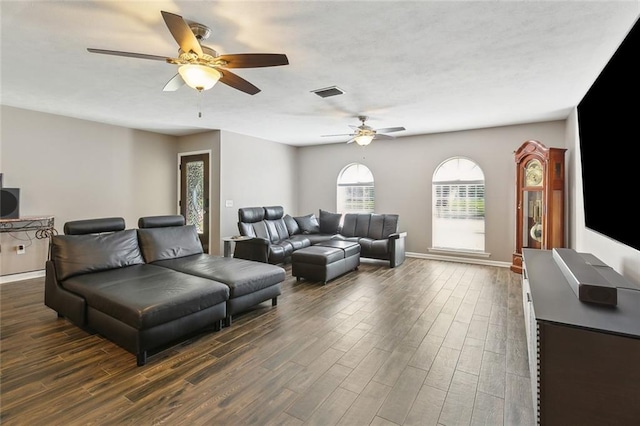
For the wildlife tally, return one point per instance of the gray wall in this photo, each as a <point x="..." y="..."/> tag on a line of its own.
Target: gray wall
<point x="403" y="169"/>
<point x="76" y="169"/>
<point x="254" y="172"/>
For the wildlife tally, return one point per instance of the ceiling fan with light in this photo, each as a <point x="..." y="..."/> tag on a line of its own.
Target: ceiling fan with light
<point x="363" y="134"/>
<point x="199" y="66"/>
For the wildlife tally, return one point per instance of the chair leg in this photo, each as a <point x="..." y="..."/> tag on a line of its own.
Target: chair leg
<point x="274" y="301"/>
<point x="227" y="321"/>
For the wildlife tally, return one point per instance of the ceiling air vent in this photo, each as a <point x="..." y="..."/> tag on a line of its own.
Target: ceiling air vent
<point x="328" y="91"/>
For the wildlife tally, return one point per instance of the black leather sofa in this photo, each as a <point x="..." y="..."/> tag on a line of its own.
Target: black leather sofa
<point x="276" y="235"/>
<point x="148" y="287"/>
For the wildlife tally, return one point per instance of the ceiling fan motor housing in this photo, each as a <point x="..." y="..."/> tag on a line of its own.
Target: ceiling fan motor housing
<point x="202" y="32"/>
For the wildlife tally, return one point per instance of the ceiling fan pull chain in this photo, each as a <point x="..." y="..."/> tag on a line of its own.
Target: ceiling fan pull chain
<point x="200" y="104"/>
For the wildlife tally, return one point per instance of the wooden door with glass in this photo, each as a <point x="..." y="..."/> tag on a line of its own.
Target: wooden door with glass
<point x="194" y="194"/>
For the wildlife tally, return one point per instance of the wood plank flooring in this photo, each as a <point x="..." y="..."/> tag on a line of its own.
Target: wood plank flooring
<point x="427" y="343"/>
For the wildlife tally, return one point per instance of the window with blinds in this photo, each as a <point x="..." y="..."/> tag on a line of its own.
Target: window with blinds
<point x="355" y="190"/>
<point x="458" y="206"/>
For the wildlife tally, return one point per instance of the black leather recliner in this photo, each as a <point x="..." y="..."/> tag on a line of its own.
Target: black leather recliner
<point x="271" y="242"/>
<point x="276" y="235"/>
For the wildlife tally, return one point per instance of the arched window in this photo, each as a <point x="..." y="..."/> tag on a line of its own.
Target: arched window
<point x="458" y="206"/>
<point x="355" y="189"/>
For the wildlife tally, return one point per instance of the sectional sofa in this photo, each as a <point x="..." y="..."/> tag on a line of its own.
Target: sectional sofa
<point x="149" y="287"/>
<point x="275" y="235"/>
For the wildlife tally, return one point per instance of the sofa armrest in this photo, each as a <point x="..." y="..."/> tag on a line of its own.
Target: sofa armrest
<point x="397" y="235"/>
<point x="396" y="248"/>
<point x="256" y="249"/>
<point x="65" y="303"/>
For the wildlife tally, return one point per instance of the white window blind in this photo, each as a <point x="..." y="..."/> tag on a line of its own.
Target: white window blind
<point x="458" y="206"/>
<point x="355" y="190"/>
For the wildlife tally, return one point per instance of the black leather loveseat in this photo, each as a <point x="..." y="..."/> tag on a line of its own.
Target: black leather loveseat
<point x="276" y="235"/>
<point x="148" y="287"/>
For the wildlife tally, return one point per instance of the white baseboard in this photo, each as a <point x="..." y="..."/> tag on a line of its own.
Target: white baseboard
<point x="475" y="261"/>
<point x="22" y="276"/>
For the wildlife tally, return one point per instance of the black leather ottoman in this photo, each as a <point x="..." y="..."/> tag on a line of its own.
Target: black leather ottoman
<point x="325" y="261"/>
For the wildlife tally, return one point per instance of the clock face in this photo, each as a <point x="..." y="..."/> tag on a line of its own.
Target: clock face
<point x="533" y="173"/>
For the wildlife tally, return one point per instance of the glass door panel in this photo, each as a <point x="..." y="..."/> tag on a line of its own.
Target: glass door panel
<point x="194" y="194"/>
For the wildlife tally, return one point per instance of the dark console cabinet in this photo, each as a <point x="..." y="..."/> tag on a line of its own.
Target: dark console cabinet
<point x="584" y="358"/>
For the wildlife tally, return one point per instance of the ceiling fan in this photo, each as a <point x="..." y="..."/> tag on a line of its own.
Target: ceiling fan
<point x="199" y="66"/>
<point x="363" y="134"/>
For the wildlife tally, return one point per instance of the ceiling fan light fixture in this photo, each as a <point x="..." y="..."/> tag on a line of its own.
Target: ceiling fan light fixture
<point x="363" y="140"/>
<point x="199" y="77"/>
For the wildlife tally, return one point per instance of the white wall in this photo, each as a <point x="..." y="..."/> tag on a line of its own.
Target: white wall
<point x="624" y="259"/>
<point x="255" y="172"/>
<point x="76" y="169"/>
<point x="403" y="168"/>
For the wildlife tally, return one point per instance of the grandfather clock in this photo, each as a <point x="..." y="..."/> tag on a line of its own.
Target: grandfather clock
<point x="539" y="199"/>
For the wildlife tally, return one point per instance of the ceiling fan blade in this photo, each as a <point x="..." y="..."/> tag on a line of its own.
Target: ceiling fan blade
<point x="390" y="129"/>
<point x="237" y="82"/>
<point x="351" y="140"/>
<point x="343" y="134"/>
<point x="182" y="33"/>
<point x="383" y="136"/>
<point x="128" y="54"/>
<point x="254" y="60"/>
<point x="174" y="84"/>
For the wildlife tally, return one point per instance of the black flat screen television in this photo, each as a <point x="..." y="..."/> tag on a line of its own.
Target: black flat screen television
<point x="609" y="132"/>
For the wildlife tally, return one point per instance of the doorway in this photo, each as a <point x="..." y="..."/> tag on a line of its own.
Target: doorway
<point x="194" y="194"/>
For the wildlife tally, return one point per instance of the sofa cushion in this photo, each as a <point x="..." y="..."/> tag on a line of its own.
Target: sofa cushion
<point x="291" y="224"/>
<point x="278" y="252"/>
<point x="273" y="212"/>
<point x="250" y="214"/>
<point x="80" y="254"/>
<point x="94" y="226"/>
<point x="169" y="242"/>
<point x="278" y="231"/>
<point x="308" y="224"/>
<point x="317" y="238"/>
<point x="329" y="222"/>
<point x="242" y="276"/>
<point x="161" y="221"/>
<point x="382" y="225"/>
<point x="144" y="296"/>
<point x="299" y="241"/>
<point x="373" y="247"/>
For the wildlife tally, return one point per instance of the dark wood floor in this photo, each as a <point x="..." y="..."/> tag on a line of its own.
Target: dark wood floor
<point x="427" y="343"/>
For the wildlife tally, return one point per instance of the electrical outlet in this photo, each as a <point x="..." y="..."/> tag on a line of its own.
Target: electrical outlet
<point x="20" y="249"/>
<point x="228" y="203"/>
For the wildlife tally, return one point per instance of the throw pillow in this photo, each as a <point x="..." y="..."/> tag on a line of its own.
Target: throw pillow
<point x="329" y="222"/>
<point x="308" y="224"/>
<point x="292" y="225"/>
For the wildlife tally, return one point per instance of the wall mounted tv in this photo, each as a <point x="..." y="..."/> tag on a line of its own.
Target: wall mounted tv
<point x="609" y="131"/>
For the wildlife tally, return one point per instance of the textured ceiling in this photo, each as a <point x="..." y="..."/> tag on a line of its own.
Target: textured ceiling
<point x="428" y="66"/>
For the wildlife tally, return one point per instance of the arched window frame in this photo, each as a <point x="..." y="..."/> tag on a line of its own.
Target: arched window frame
<point x="355" y="189"/>
<point x="458" y="206"/>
